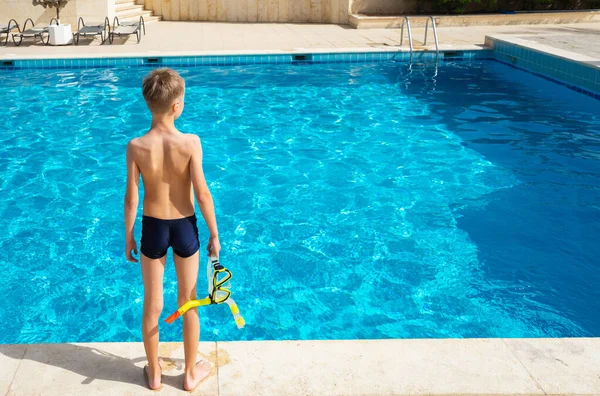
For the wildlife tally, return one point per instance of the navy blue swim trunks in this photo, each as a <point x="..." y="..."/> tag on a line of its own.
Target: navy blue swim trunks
<point x="158" y="235"/>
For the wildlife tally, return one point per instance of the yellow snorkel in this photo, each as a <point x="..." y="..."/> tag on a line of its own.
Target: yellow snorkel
<point x="218" y="293"/>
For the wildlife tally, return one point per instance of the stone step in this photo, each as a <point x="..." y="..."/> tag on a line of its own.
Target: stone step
<point x="147" y="18"/>
<point x="129" y="10"/>
<point x="124" y="8"/>
<point x="133" y="13"/>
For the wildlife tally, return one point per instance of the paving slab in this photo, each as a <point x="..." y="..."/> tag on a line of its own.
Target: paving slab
<point x="561" y="366"/>
<point x="103" y="369"/>
<point x="580" y="45"/>
<point x="10" y="358"/>
<point x="387" y="367"/>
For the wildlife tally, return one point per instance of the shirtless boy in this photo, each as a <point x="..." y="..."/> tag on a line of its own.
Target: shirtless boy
<point x="170" y="163"/>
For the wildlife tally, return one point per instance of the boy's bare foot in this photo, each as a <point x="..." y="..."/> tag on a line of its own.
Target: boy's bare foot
<point x="153" y="377"/>
<point x="200" y="371"/>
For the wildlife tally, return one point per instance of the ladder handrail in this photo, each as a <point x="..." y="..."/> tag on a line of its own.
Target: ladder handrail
<point x="437" y="49"/>
<point x="409" y="33"/>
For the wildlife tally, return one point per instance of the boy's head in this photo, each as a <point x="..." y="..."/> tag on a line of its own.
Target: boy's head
<point x="163" y="90"/>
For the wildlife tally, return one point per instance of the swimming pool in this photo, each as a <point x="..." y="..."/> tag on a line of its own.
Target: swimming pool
<point x="354" y="201"/>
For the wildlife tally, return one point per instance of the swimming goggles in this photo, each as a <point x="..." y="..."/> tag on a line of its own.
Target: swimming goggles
<point x="219" y="292"/>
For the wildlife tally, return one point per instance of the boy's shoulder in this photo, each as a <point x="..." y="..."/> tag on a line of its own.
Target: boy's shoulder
<point x="148" y="139"/>
<point x="192" y="137"/>
<point x="142" y="140"/>
<point x="133" y="143"/>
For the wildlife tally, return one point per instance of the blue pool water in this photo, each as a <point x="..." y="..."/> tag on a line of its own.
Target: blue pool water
<point x="354" y="201"/>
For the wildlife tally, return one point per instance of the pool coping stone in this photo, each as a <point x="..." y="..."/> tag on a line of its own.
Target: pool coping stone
<point x="493" y="366"/>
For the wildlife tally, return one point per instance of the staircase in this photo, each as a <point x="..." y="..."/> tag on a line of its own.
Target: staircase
<point x="128" y="10"/>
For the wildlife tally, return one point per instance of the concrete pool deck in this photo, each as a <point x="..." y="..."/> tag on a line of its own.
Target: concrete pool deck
<point x="200" y="38"/>
<point x="568" y="366"/>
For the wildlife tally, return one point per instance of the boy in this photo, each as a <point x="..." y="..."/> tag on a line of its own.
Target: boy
<point x="170" y="163"/>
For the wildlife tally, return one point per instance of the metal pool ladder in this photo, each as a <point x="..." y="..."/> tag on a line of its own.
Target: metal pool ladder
<point x="406" y="22"/>
<point x="437" y="48"/>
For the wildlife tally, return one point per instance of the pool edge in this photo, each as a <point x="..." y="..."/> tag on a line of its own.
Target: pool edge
<point x="361" y="367"/>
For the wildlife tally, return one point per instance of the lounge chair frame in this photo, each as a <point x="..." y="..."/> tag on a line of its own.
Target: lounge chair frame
<point x="91" y="30"/>
<point x="138" y="28"/>
<point x="33" y="33"/>
<point x="7" y="30"/>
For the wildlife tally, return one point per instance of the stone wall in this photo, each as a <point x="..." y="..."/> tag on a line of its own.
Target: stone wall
<point x="90" y="10"/>
<point x="313" y="11"/>
<point x="295" y="11"/>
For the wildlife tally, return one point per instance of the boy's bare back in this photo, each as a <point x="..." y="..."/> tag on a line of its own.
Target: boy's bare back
<point x="165" y="161"/>
<point x="170" y="164"/>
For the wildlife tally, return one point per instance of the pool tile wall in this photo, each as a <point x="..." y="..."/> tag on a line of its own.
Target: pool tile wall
<point x="580" y="76"/>
<point x="232" y="60"/>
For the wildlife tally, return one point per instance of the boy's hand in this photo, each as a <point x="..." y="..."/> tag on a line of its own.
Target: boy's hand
<point x="214" y="246"/>
<point x="129" y="246"/>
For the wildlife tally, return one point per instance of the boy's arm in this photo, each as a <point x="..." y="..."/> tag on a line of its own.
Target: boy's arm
<point x="203" y="196"/>
<point x="131" y="203"/>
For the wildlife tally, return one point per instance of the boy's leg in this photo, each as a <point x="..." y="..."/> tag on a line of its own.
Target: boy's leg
<point x="152" y="274"/>
<point x="187" y="276"/>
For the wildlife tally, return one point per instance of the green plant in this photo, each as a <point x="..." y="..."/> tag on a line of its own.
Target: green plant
<point x="453" y="6"/>
<point x="534" y="4"/>
<point x="460" y="6"/>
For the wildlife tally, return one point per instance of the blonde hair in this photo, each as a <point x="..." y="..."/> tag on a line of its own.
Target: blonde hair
<point x="161" y="87"/>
